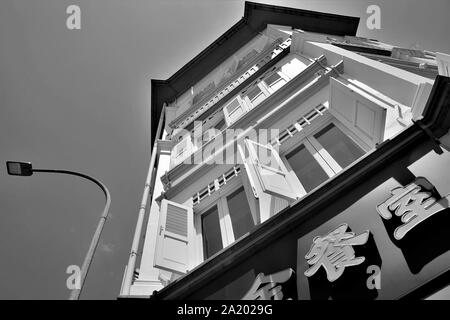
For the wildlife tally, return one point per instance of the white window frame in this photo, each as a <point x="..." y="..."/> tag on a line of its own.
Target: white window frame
<point x="280" y="73"/>
<point x="317" y="151"/>
<point x="178" y="157"/>
<point x="219" y="199"/>
<point x="264" y="90"/>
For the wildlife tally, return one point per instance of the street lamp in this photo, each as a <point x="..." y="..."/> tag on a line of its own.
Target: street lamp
<point x="17" y="168"/>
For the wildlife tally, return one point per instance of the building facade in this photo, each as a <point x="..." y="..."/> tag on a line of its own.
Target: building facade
<point x="293" y="159"/>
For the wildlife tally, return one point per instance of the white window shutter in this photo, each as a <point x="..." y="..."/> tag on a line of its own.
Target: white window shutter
<point x="234" y="110"/>
<point x="443" y="62"/>
<point x="252" y="188"/>
<point x="420" y="99"/>
<point x="174" y="238"/>
<point x="181" y="151"/>
<point x="362" y="116"/>
<point x="271" y="172"/>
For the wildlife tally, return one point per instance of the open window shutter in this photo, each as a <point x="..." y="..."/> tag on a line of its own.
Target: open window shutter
<point x="173" y="242"/>
<point x="181" y="151"/>
<point x="443" y="62"/>
<point x="271" y="172"/>
<point x="252" y="189"/>
<point x="234" y="110"/>
<point x="420" y="99"/>
<point x="364" y="117"/>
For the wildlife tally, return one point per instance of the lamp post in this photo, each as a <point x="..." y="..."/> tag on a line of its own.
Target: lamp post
<point x="16" y="168"/>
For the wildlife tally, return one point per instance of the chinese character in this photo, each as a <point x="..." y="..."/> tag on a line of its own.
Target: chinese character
<point x="270" y="288"/>
<point x="335" y="252"/>
<point x="412" y="205"/>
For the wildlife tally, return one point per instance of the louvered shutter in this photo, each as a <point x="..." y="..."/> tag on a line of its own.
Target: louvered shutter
<point x="174" y="238"/>
<point x="271" y="172"/>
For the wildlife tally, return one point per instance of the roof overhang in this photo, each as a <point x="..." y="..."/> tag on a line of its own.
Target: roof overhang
<point x="256" y="18"/>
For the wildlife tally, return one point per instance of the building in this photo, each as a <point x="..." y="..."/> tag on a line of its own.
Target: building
<point x="293" y="159"/>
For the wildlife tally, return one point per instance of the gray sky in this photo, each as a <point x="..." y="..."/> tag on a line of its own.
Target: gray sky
<point x="79" y="100"/>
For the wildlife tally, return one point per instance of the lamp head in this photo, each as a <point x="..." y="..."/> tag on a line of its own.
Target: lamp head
<point x="16" y="168"/>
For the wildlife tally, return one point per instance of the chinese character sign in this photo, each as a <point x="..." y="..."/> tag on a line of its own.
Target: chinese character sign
<point x="268" y="287"/>
<point x="413" y="206"/>
<point x="334" y="252"/>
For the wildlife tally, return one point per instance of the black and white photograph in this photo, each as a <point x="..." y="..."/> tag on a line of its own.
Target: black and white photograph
<point x="224" y="150"/>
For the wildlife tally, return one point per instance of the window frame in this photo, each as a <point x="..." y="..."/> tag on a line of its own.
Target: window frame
<point x="317" y="151"/>
<point x="219" y="199"/>
<point x="273" y="71"/>
<point x="244" y="94"/>
<point x="265" y="88"/>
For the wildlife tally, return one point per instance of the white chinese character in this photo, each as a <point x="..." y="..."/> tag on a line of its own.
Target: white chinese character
<point x="412" y="205"/>
<point x="335" y="252"/>
<point x="270" y="288"/>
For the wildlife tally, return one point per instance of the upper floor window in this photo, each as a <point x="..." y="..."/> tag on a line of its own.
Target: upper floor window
<point x="253" y="95"/>
<point x="226" y="221"/>
<point x="181" y="150"/>
<point x="276" y="80"/>
<point x="322" y="155"/>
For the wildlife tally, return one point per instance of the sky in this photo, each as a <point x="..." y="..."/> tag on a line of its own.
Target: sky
<point x="79" y="100"/>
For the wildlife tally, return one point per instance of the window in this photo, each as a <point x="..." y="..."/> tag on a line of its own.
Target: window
<point x="338" y="145"/>
<point x="226" y="221"/>
<point x="240" y="214"/>
<point x="322" y="155"/>
<point x="181" y="151"/>
<point x="255" y="95"/>
<point x="234" y="110"/>
<point x="307" y="169"/>
<point x="212" y="238"/>
<point x="276" y="80"/>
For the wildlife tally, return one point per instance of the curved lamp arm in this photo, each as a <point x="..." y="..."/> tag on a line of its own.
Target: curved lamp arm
<point x="74" y="295"/>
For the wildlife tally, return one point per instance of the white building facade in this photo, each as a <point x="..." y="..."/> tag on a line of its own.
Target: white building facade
<point x="274" y="121"/>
